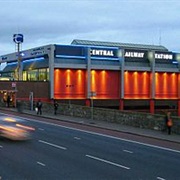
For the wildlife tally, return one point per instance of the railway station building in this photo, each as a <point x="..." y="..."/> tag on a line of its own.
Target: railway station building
<point x="116" y="75"/>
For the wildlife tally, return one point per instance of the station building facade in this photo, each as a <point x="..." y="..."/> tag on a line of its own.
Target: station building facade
<point x="120" y="75"/>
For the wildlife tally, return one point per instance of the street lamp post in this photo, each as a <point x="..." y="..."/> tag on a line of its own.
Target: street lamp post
<point x="93" y="94"/>
<point x="18" y="39"/>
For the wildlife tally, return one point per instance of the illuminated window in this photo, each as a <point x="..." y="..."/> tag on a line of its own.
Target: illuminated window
<point x="32" y="75"/>
<point x="36" y="75"/>
<point x="24" y="75"/>
<point x="43" y="75"/>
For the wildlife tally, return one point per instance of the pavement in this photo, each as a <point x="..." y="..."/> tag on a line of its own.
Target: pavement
<point x="107" y="125"/>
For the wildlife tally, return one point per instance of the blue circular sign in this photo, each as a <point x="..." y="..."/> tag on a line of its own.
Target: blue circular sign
<point x="18" y="38"/>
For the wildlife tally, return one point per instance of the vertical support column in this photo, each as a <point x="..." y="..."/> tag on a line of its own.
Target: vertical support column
<point x="88" y="102"/>
<point x="121" y="59"/>
<point x="51" y="70"/>
<point x="88" y="75"/>
<point x="152" y="98"/>
<point x="152" y="105"/>
<point x="178" y="103"/>
<point x="121" y="104"/>
<point x="178" y="107"/>
<point x="151" y="57"/>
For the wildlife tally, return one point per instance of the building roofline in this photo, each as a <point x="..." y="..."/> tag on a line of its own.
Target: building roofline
<point x="120" y="45"/>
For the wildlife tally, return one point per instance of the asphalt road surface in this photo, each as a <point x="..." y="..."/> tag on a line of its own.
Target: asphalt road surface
<point x="62" y="152"/>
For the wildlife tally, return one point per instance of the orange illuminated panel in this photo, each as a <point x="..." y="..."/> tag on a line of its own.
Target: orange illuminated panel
<point x="178" y="86"/>
<point x="136" y="85"/>
<point x="166" y="85"/>
<point x="105" y="83"/>
<point x="69" y="84"/>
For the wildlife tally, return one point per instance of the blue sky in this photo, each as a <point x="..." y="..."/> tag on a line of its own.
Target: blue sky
<point x="45" y="22"/>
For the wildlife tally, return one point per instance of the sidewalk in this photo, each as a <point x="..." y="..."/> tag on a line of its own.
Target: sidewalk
<point x="107" y="125"/>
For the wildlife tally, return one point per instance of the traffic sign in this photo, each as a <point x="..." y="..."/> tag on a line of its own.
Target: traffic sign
<point x="18" y="38"/>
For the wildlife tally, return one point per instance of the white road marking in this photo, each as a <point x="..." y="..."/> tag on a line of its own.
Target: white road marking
<point x="77" y="138"/>
<point x="160" y="178"/>
<point x="1" y="146"/>
<point x="99" y="134"/>
<point x="112" y="137"/>
<point x="127" y="151"/>
<point x="54" y="145"/>
<point x="108" y="162"/>
<point x="40" y="163"/>
<point x="41" y="129"/>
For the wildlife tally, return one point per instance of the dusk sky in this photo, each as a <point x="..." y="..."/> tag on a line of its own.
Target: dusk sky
<point x="42" y="22"/>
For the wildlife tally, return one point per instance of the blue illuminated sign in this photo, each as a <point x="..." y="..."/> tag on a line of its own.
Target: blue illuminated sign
<point x="18" y="38"/>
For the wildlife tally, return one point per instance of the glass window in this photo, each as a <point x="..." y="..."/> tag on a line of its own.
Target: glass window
<point x="42" y="74"/>
<point x="36" y="75"/>
<point x="32" y="75"/>
<point x="47" y="74"/>
<point x="24" y="75"/>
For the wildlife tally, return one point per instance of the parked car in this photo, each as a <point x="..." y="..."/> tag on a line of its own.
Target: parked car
<point x="15" y="128"/>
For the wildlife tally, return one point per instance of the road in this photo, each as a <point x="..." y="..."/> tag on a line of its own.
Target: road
<point x="64" y="152"/>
